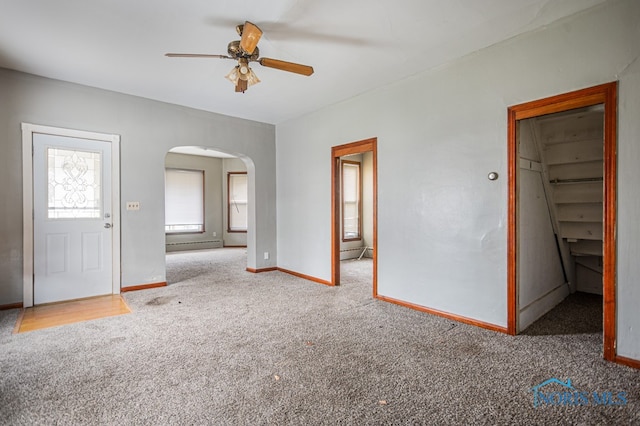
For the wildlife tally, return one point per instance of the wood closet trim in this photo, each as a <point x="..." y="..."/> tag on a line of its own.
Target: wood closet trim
<point x="603" y="94"/>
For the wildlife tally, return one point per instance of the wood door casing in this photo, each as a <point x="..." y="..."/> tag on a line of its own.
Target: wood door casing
<point x="367" y="145"/>
<point x="605" y="94"/>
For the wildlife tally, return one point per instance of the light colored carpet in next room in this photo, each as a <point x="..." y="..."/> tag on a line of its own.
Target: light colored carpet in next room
<point x="223" y="346"/>
<point x="63" y="313"/>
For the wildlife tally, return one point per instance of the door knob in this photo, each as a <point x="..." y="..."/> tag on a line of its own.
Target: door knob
<point x="107" y="225"/>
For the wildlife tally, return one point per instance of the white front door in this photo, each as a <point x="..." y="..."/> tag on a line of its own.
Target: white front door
<point x="72" y="218"/>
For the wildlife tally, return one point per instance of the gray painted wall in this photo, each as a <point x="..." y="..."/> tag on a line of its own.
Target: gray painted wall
<point x="148" y="130"/>
<point x="443" y="245"/>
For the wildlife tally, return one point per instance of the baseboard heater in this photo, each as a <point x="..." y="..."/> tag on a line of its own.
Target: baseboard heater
<point x="193" y="245"/>
<point x="356" y="253"/>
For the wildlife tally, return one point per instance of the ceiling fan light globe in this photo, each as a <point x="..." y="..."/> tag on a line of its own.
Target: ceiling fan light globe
<point x="233" y="76"/>
<point x="253" y="78"/>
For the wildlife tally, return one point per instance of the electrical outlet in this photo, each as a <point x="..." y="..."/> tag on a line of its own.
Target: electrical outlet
<point x="133" y="205"/>
<point x="266" y="255"/>
<point x="215" y="234"/>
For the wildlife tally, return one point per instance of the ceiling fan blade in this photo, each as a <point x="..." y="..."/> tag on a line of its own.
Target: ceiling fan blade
<point x="250" y="37"/>
<point x="196" y="55"/>
<point x="286" y="66"/>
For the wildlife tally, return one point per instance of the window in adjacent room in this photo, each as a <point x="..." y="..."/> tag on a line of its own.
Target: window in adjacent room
<point x="237" y="202"/>
<point x="184" y="201"/>
<point x="351" y="200"/>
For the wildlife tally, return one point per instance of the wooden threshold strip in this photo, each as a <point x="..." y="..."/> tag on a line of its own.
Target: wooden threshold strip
<point x="69" y="312"/>
<point x="143" y="287"/>
<point x="11" y="306"/>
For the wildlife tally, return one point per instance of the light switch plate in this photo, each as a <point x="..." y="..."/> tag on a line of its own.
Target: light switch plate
<point x="133" y="205"/>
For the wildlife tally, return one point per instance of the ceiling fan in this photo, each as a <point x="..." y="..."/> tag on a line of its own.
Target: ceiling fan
<point x="244" y="51"/>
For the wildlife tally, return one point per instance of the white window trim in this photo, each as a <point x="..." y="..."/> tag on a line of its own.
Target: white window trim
<point x="240" y="202"/>
<point x="358" y="201"/>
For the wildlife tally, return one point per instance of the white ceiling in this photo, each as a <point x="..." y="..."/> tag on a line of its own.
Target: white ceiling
<point x="353" y="45"/>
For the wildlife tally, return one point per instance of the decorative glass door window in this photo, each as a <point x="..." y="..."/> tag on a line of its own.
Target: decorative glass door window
<point x="74" y="189"/>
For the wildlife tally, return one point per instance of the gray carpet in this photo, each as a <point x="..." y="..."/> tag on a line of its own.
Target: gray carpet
<point x="223" y="346"/>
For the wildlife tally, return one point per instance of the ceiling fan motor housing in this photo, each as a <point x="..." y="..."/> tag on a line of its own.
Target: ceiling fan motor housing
<point x="235" y="51"/>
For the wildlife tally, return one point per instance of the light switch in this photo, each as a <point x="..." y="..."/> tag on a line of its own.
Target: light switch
<point x="133" y="205"/>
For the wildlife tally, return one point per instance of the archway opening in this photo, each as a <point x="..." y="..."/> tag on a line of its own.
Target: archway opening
<point x="208" y="208"/>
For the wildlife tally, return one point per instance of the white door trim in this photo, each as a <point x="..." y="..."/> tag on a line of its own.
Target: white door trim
<point x="27" y="200"/>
